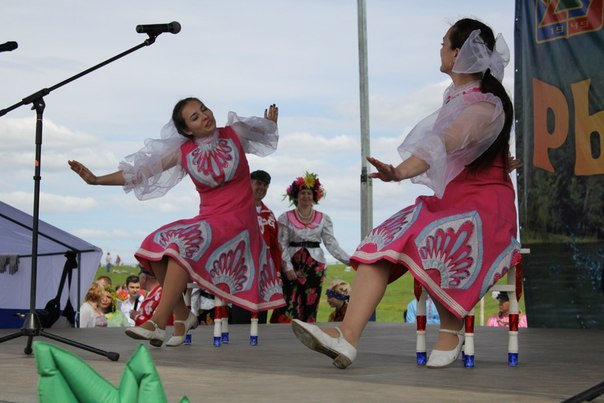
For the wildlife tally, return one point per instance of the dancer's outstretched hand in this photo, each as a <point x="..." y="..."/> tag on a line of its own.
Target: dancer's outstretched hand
<point x="272" y="113"/>
<point x="514" y="163"/>
<point x="84" y="172"/>
<point x="386" y="172"/>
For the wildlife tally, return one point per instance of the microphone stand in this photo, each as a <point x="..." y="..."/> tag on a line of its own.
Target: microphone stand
<point x="32" y="326"/>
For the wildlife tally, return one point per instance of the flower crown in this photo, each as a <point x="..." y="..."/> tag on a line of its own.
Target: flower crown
<point x="308" y="181"/>
<point x="111" y="291"/>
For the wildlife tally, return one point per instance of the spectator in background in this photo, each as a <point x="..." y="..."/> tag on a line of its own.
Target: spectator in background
<point x="108" y="262"/>
<point x="104" y="281"/>
<point x="90" y="313"/>
<point x="432" y="317"/>
<point x="270" y="232"/>
<point x="134" y="299"/>
<point x="502" y="318"/>
<point x="108" y="306"/>
<point x="118" y="260"/>
<point x="338" y="294"/>
<point x="202" y="306"/>
<point x="149" y="283"/>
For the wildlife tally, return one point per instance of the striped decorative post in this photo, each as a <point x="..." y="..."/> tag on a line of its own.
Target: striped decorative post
<point x="514" y="318"/>
<point x="217" y="321"/>
<point x="468" y="348"/>
<point x="254" y="329"/>
<point x="421" y="320"/>
<point x="225" y="323"/>
<point x="187" y="299"/>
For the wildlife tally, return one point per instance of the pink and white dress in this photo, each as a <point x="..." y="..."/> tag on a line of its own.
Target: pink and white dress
<point x="460" y="241"/>
<point x="221" y="248"/>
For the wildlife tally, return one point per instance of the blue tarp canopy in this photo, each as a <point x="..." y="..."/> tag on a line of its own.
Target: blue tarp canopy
<point x="16" y="233"/>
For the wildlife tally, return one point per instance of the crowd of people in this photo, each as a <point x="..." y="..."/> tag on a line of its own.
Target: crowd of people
<point x="237" y="250"/>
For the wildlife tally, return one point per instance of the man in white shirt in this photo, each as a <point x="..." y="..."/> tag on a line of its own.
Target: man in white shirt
<point x="108" y="262"/>
<point x="133" y="286"/>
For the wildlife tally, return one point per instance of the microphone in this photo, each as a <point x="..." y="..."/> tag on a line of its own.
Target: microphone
<point x="10" y="46"/>
<point x="156" y="29"/>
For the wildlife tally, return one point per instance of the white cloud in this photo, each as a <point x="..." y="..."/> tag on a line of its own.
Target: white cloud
<point x="50" y="203"/>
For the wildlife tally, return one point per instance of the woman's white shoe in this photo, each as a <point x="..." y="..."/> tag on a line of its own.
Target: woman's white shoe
<point x="190" y="323"/>
<point x="337" y="348"/>
<point x="442" y="358"/>
<point x="156" y="336"/>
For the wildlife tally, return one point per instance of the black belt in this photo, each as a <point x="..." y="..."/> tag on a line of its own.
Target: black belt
<point x="306" y="244"/>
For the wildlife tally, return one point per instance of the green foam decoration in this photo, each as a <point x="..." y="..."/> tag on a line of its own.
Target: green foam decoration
<point x="66" y="378"/>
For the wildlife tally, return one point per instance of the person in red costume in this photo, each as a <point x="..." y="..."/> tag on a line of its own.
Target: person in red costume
<point x="150" y="284"/>
<point x="266" y="219"/>
<point x="269" y="227"/>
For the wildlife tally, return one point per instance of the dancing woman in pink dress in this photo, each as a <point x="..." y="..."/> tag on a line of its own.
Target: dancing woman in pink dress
<point x="460" y="241"/>
<point x="221" y="248"/>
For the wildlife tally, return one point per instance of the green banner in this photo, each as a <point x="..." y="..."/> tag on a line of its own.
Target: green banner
<point x="559" y="103"/>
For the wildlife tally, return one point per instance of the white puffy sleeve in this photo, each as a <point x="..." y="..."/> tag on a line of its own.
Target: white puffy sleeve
<point x="258" y="136"/>
<point x="284" y="239"/>
<point x="156" y="168"/>
<point x="331" y="242"/>
<point x="453" y="137"/>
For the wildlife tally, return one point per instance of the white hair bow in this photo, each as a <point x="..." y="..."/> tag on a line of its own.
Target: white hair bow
<point x="475" y="56"/>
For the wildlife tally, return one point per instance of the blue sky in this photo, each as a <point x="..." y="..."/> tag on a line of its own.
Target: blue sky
<point x="235" y="55"/>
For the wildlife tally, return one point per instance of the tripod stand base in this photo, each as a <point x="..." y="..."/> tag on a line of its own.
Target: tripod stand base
<point x="32" y="328"/>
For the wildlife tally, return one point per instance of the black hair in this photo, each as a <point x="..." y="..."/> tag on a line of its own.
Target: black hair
<point x="132" y="279"/>
<point x="261" y="176"/>
<point x="503" y="296"/>
<point x="460" y="31"/>
<point x="177" y="118"/>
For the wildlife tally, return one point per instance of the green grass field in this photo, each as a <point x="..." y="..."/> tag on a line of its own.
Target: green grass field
<point x="398" y="294"/>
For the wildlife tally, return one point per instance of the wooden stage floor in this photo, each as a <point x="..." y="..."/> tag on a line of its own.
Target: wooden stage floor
<point x="555" y="364"/>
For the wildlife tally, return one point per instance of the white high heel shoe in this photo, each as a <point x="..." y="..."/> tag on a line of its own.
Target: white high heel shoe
<point x="338" y="348"/>
<point x="156" y="336"/>
<point x="442" y="358"/>
<point x="190" y="323"/>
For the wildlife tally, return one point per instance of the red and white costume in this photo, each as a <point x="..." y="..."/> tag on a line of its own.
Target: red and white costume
<point x="269" y="227"/>
<point x="149" y="305"/>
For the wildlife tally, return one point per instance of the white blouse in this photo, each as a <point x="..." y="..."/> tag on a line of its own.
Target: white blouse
<point x="319" y="229"/>
<point x="87" y="315"/>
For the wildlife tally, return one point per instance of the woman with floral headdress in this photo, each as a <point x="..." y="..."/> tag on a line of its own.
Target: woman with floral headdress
<point x="108" y="306"/>
<point x="460" y="241"/>
<point x="301" y="232"/>
<point x="221" y="248"/>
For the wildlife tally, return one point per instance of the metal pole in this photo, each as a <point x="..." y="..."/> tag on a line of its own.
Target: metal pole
<point x="366" y="183"/>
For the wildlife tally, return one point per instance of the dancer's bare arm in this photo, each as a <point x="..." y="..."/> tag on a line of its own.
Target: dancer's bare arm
<point x="112" y="179"/>
<point x="409" y="168"/>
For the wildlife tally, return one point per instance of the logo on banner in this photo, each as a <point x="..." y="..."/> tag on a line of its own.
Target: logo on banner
<point x="558" y="19"/>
